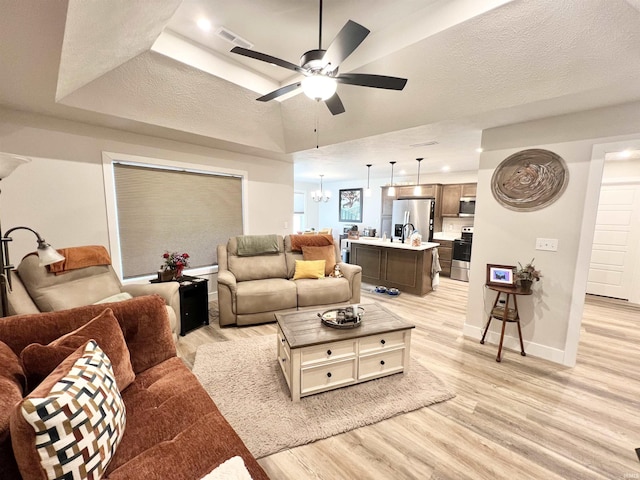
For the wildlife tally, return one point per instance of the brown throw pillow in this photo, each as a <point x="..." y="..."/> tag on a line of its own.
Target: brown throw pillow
<point x="328" y="254"/>
<point x="39" y="361"/>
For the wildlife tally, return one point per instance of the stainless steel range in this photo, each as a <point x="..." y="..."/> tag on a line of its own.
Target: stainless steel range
<point x="461" y="258"/>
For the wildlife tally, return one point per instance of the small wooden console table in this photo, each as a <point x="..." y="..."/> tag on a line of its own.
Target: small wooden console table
<point x="505" y="314"/>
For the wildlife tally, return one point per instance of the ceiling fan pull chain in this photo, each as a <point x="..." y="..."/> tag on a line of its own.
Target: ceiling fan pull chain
<point x="317" y="124"/>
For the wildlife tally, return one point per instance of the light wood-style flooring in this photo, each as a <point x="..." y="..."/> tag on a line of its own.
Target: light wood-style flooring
<point x="524" y="418"/>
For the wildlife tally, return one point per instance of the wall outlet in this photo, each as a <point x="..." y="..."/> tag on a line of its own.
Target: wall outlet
<point x="549" y="244"/>
<point x="286" y="225"/>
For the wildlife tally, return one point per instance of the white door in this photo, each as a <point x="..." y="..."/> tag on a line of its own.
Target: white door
<point x="616" y="242"/>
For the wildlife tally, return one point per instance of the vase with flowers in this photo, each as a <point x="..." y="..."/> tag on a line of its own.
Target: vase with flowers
<point x="175" y="263"/>
<point x="527" y="275"/>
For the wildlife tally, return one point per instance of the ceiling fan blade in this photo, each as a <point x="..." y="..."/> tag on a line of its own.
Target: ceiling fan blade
<point x="375" y="81"/>
<point x="267" y="58"/>
<point x="334" y="104"/>
<point x="279" y="92"/>
<point x="347" y="40"/>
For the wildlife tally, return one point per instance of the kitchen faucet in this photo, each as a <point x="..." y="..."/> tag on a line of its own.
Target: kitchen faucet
<point x="402" y="238"/>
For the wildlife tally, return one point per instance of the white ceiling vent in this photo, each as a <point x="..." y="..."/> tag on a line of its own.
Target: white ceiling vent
<point x="424" y="144"/>
<point x="231" y="37"/>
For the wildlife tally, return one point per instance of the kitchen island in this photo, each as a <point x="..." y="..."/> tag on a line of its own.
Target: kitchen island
<point x="394" y="264"/>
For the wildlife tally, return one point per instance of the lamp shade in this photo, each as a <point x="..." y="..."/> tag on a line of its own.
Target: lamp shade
<point x="48" y="254"/>
<point x="319" y="87"/>
<point x="9" y="162"/>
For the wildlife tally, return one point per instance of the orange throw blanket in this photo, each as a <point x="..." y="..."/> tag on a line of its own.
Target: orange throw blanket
<point x="80" y="257"/>
<point x="298" y="241"/>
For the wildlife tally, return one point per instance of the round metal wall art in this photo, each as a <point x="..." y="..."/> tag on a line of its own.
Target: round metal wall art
<point x="530" y="180"/>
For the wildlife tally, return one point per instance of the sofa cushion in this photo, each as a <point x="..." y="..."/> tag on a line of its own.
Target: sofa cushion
<point x="144" y="322"/>
<point x="71" y="425"/>
<point x="326" y="253"/>
<point x="40" y="360"/>
<point x="12" y="387"/>
<point x="323" y="291"/>
<point x="309" y="269"/>
<point x="271" y="265"/>
<point x="52" y="292"/>
<point x="174" y="430"/>
<point x="267" y="295"/>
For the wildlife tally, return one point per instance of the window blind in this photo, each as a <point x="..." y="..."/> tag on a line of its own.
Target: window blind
<point x="177" y="211"/>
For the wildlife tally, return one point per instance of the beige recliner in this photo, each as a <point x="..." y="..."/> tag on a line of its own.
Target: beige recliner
<point x="34" y="289"/>
<point x="252" y="289"/>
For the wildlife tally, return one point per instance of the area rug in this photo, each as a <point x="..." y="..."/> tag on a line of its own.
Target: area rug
<point x="244" y="379"/>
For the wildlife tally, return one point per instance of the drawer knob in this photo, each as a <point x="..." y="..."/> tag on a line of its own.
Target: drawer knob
<point x="381" y="362"/>
<point x="329" y="374"/>
<point x="284" y="359"/>
<point x="382" y="341"/>
<point x="282" y="340"/>
<point x="328" y="352"/>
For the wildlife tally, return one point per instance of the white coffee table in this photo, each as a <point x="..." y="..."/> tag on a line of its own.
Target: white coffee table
<point x="315" y="358"/>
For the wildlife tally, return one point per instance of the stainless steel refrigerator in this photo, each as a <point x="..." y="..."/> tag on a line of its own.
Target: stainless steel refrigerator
<point x="418" y="212"/>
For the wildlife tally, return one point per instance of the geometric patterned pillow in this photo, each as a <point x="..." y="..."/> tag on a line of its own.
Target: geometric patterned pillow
<point x="81" y="421"/>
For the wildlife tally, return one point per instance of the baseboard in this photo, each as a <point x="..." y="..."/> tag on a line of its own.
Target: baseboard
<point x="513" y="343"/>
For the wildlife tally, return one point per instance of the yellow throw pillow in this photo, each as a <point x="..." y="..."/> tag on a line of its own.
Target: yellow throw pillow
<point x="309" y="269"/>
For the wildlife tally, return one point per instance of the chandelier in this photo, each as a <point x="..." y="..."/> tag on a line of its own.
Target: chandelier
<point x="321" y="195"/>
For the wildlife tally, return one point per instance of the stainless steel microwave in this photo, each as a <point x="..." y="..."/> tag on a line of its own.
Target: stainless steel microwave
<point x="467" y="207"/>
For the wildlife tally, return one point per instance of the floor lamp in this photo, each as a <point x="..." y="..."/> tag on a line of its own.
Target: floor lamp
<point x="47" y="254"/>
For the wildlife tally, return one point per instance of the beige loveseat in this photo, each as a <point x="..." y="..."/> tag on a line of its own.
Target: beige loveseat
<point x="251" y="289"/>
<point x="35" y="290"/>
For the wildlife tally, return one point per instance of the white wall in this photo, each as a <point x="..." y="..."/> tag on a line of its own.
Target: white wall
<point x="551" y="317"/>
<point x="61" y="193"/>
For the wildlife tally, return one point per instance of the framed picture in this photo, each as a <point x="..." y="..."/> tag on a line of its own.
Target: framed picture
<point x="350" y="205"/>
<point x="501" y="275"/>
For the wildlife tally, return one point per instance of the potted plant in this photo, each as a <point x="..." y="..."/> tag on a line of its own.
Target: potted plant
<point x="527" y="275"/>
<point x="174" y="263"/>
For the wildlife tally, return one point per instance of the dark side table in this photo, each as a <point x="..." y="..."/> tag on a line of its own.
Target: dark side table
<point x="505" y="314"/>
<point x="194" y="302"/>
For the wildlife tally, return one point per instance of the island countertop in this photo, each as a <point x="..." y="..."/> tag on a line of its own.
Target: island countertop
<point x="378" y="242"/>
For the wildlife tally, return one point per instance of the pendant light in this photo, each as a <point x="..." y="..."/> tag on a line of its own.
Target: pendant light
<point x="367" y="192"/>
<point x="392" y="190"/>
<point x="418" y="189"/>
<point x="321" y="195"/>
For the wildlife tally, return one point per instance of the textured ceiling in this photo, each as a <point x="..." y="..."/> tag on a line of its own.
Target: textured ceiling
<point x="471" y="64"/>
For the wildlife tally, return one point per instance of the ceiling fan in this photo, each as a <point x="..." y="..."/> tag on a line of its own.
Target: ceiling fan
<point x="320" y="68"/>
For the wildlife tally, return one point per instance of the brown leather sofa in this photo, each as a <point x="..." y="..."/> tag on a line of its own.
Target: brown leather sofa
<point x="252" y="289"/>
<point x="173" y="428"/>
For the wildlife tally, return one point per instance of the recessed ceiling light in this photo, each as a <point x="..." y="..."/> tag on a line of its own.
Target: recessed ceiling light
<point x="479" y="149"/>
<point x="625" y="153"/>
<point x="424" y="144"/>
<point x="204" y="24"/>
<point x="446" y="168"/>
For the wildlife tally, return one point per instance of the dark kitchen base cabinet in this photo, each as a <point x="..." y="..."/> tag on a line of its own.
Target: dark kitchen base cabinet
<point x="407" y="270"/>
<point x="445" y="251"/>
<point x="194" y="303"/>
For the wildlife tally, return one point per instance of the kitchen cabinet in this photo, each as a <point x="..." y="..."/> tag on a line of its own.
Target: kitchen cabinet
<point x="451" y="194"/>
<point x="408" y="191"/>
<point x="445" y="252"/>
<point x="394" y="265"/>
<point x="450" y="205"/>
<point x="469" y="189"/>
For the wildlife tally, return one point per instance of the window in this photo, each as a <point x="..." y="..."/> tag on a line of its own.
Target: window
<point x="298" y="211"/>
<point x="160" y="208"/>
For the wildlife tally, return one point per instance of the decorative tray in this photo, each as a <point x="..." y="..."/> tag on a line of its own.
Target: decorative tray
<point x="347" y="317"/>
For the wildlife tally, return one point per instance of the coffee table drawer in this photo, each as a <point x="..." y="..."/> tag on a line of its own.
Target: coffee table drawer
<point x="328" y="352"/>
<point x="383" y="341"/>
<point x="328" y="376"/>
<point x="380" y="364"/>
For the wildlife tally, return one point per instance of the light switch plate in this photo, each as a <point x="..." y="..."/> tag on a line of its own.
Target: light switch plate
<point x="549" y="244"/>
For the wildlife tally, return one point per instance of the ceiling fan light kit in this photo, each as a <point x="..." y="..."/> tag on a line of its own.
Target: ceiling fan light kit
<point x="319" y="87"/>
<point x="320" y="68"/>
